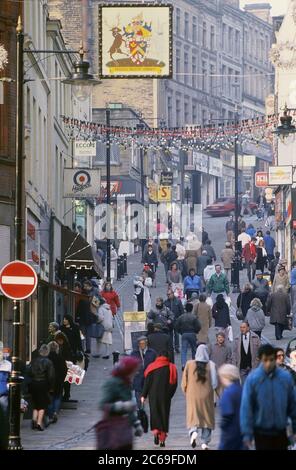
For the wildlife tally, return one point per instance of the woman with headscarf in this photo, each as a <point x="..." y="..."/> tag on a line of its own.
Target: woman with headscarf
<point x="220" y="313"/>
<point x="42" y="373"/>
<point x="198" y="384"/>
<point x="160" y="385"/>
<point x="231" y="438"/>
<point x="116" y="401"/>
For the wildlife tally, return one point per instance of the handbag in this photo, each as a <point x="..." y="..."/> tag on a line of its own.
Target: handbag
<point x="143" y="418"/>
<point x="289" y="323"/>
<point x="114" y="433"/>
<point x="97" y="330"/>
<point x="239" y="311"/>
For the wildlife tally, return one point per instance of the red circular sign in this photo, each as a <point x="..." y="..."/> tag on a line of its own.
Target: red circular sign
<point x="18" y="280"/>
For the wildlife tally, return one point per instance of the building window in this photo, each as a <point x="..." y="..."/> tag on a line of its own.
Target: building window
<point x="223" y="36"/>
<point x="204" y="117"/>
<point x="186" y="113"/>
<point x="186" y="26"/>
<point x="229" y="82"/>
<point x="212" y="38"/>
<point x="237" y="86"/>
<point x="194" y="71"/>
<point x="186" y="68"/>
<point x="194" y="113"/>
<point x="178" y="21"/>
<point x="204" y="76"/>
<point x="212" y="80"/>
<point x="204" y="34"/>
<point x="230" y="40"/>
<point x="223" y="115"/>
<point x="170" y="111"/>
<point x="178" y="112"/>
<point x="237" y="43"/>
<point x="224" y="80"/>
<point x="194" y="30"/>
<point x="178" y="63"/>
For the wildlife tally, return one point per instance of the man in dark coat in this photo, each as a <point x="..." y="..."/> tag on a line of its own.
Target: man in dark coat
<point x="279" y="306"/>
<point x="160" y="385"/>
<point x="209" y="249"/>
<point x="161" y="342"/>
<point x="176" y="307"/>
<point x="188" y="326"/>
<point x="261" y="290"/>
<point x="202" y="262"/>
<point x="146" y="356"/>
<point x="84" y="314"/>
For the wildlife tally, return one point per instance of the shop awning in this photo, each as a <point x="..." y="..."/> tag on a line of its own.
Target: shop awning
<point x="77" y="253"/>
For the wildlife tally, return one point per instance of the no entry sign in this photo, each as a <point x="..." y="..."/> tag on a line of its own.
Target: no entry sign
<point x="18" y="280"/>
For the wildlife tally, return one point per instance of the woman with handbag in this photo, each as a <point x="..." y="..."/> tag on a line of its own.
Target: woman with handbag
<point x="244" y="301"/>
<point x="115" y="430"/>
<point x="104" y="318"/>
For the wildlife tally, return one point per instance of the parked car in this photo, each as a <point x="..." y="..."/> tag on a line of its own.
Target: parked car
<point x="224" y="206"/>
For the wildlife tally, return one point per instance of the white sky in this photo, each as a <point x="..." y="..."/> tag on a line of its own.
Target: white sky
<point x="279" y="7"/>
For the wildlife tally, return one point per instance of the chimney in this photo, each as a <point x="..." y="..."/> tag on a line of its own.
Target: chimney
<point x="261" y="10"/>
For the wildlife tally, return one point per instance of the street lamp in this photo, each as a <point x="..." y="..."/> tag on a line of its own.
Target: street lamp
<point x="80" y="77"/>
<point x="237" y="260"/>
<point x="286" y="129"/>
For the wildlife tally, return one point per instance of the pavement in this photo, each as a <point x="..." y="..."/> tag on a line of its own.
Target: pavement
<point x="74" y="429"/>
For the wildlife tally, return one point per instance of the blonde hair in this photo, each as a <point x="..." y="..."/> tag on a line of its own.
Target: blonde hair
<point x="230" y="372"/>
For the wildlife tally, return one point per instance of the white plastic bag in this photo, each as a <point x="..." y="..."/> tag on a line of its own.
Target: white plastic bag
<point x="209" y="301"/>
<point x="229" y="332"/>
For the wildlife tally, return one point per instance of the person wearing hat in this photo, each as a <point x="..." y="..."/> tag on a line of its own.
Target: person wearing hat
<point x="230" y="401"/>
<point x="220" y="352"/>
<point x="145" y="355"/>
<point x="116" y="398"/>
<point x="160" y="341"/>
<point x="198" y="384"/>
<point x="227" y="256"/>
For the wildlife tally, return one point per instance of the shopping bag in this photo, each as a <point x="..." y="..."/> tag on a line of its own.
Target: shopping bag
<point x="75" y="374"/>
<point x="229" y="332"/>
<point x="97" y="330"/>
<point x="209" y="301"/>
<point x="143" y="418"/>
<point x="114" y="433"/>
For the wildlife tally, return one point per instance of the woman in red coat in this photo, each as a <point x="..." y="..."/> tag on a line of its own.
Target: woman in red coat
<point x="111" y="297"/>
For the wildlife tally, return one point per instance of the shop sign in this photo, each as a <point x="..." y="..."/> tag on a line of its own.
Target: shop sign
<point x="261" y="179"/>
<point x="215" y="167"/>
<point x="85" y="148"/>
<point x="166" y="178"/>
<point x="164" y="194"/>
<point x="153" y="192"/>
<point x="278" y="207"/>
<point x="81" y="183"/>
<point x="200" y="161"/>
<point x="280" y="175"/>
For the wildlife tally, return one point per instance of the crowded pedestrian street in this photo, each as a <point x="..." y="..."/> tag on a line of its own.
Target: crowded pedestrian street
<point x="74" y="429"/>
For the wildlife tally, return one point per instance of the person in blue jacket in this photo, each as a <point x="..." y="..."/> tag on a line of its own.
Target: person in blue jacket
<point x="268" y="401"/>
<point x="251" y="230"/>
<point x="230" y="402"/>
<point x="269" y="245"/>
<point x="146" y="356"/>
<point x="192" y="283"/>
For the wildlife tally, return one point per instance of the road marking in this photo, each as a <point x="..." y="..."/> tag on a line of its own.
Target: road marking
<point x="25" y="281"/>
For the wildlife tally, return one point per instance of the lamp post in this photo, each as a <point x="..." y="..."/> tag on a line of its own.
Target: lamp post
<point x="237" y="260"/>
<point x="79" y="77"/>
<point x="108" y="190"/>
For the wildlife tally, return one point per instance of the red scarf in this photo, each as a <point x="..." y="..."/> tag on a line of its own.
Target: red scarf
<point x="163" y="361"/>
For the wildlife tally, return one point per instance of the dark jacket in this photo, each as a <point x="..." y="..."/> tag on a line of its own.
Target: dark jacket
<point x="84" y="315"/>
<point x="244" y="300"/>
<point x="145" y="360"/>
<point x="162" y="316"/>
<point x="210" y="251"/>
<point x="170" y="256"/>
<point x="60" y="370"/>
<point x="278" y="306"/>
<point x="175" y="306"/>
<point x="231" y="438"/>
<point x="187" y="323"/>
<point x="150" y="258"/>
<point x="73" y="335"/>
<point x="42" y="370"/>
<point x="161" y="343"/>
<point x="221" y="316"/>
<point x="202" y="262"/>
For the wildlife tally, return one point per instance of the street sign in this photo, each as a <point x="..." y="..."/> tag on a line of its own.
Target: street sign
<point x="18" y="280"/>
<point x="164" y="194"/>
<point x="261" y="179"/>
<point x="166" y="178"/>
<point x="85" y="148"/>
<point x="81" y="183"/>
<point x="280" y="175"/>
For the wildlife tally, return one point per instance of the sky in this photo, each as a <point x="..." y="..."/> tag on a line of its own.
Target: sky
<point x="279" y="7"/>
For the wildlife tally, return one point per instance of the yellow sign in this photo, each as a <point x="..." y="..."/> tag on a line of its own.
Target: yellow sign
<point x="164" y="194"/>
<point x="134" y="316"/>
<point x="153" y="189"/>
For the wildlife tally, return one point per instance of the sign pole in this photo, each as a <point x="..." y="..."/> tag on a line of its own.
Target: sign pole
<point x="108" y="200"/>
